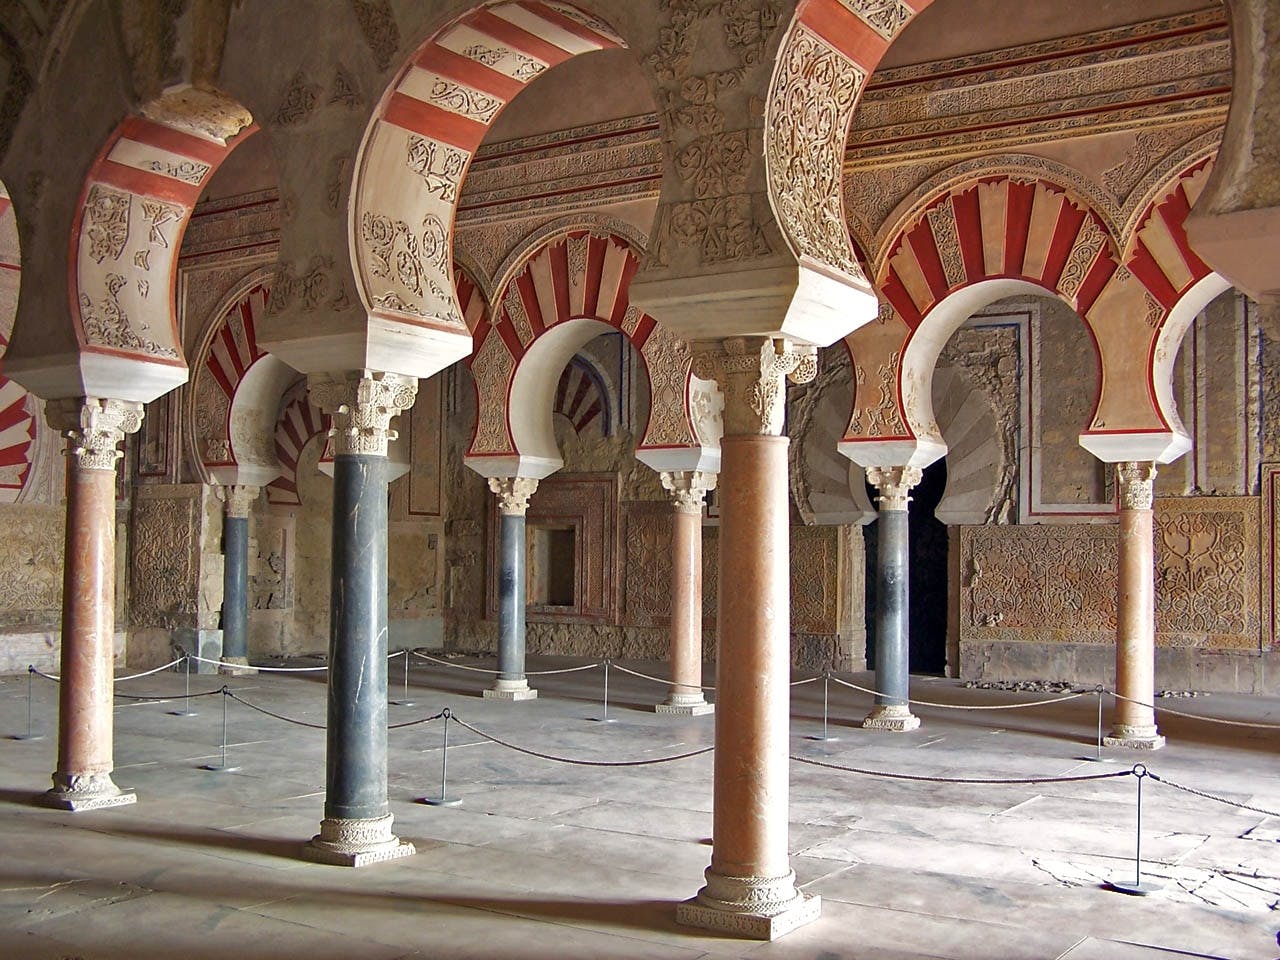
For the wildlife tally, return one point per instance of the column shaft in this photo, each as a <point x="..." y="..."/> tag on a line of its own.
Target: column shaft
<point x="235" y="589"/>
<point x="686" y="607"/>
<point x="1134" y="723"/>
<point x="893" y="606"/>
<point x="512" y="590"/>
<point x="83" y="776"/>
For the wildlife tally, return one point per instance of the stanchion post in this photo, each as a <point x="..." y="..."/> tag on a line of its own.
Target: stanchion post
<point x="186" y="710"/>
<point x="222" y="767"/>
<point x="404" y="701"/>
<point x="1139" y="887"/>
<point x="444" y="800"/>
<point x="1097" y="757"/>
<point x="604" y="717"/>
<point x="30" y="734"/>
<point x="826" y="685"/>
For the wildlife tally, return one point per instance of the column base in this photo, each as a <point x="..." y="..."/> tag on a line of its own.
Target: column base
<point x="356" y="842"/>
<point x="1134" y="737"/>
<point x="896" y="718"/>
<point x="511" y="690"/>
<point x="685" y="705"/>
<point x="237" y="667"/>
<point x="92" y="792"/>
<point x="761" y="908"/>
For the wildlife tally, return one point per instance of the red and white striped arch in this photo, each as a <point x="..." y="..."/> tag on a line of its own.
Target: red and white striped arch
<point x="133" y="211"/>
<point x="19" y="410"/>
<point x="419" y="146"/>
<point x="232" y="349"/>
<point x="582" y="398"/>
<point x="571" y="289"/>
<point x="300" y="422"/>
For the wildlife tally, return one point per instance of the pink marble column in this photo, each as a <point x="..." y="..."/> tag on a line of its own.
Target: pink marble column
<point x="1134" y="723"/>
<point x="688" y="489"/>
<point x="750" y="888"/>
<point x="94" y="428"/>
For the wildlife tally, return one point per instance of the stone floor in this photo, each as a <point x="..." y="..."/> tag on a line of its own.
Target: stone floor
<point x="544" y="859"/>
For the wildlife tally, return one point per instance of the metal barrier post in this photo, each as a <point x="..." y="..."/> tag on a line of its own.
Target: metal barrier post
<point x="1139" y="887"/>
<point x="604" y="717"/>
<point x="186" y="710"/>
<point x="30" y="734"/>
<point x="826" y="684"/>
<point x="444" y="800"/>
<point x="222" y="767"/>
<point x="404" y="701"/>
<point x="1097" y="756"/>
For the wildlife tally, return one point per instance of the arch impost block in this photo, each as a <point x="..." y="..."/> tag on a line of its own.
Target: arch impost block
<point x="91" y="374"/>
<point x="392" y="346"/>
<point x="903" y="452"/>
<point x="1154" y="446"/>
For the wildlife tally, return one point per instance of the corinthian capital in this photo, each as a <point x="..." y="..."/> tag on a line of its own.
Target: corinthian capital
<point x="750" y="373"/>
<point x="893" y="484"/>
<point x="688" y="488"/>
<point x="513" y="493"/>
<point x="238" y="498"/>
<point x="362" y="404"/>
<point x="94" y="427"/>
<point x="1137" y="483"/>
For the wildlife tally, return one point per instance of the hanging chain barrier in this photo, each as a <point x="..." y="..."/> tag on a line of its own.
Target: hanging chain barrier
<point x="1197" y="716"/>
<point x="960" y="706"/>
<point x="318" y="726"/>
<point x="986" y="781"/>
<point x="576" y="761"/>
<point x="1212" y="796"/>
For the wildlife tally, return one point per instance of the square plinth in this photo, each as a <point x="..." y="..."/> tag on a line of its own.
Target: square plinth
<point x="755" y="926"/>
<point x="685" y="709"/>
<point x="62" y="801"/>
<point x="319" y="854"/>
<point x="525" y="694"/>
<point x="1135" y="743"/>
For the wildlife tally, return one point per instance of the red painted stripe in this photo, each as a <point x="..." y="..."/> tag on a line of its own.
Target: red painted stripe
<point x="579" y="30"/>
<point x="840" y="28"/>
<point x="133" y="180"/>
<point x="1144" y="266"/>
<point x="507" y="331"/>
<point x="175" y="141"/>
<point x="246" y="319"/>
<point x="1065" y="233"/>
<point x="15" y="455"/>
<point x="563" y="387"/>
<point x="591" y="413"/>
<point x="423" y="118"/>
<point x="896" y="294"/>
<point x="529" y="295"/>
<point x="969" y="229"/>
<point x="924" y="245"/>
<point x="1093" y="285"/>
<point x="560" y="279"/>
<point x="595" y="265"/>
<point x="5" y="265"/>
<point x="455" y="66"/>
<point x="644" y="329"/>
<point x="1022" y="197"/>
<point x="233" y="352"/>
<point x="1174" y="212"/>
<point x="14" y="414"/>
<point x="224" y="381"/>
<point x="623" y="299"/>
<point x="511" y="35"/>
<point x="5" y="204"/>
<point x="297" y="439"/>
<point x="584" y="387"/>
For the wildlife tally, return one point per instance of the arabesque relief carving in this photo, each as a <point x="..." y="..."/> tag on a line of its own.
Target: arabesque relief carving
<point x="164" y="564"/>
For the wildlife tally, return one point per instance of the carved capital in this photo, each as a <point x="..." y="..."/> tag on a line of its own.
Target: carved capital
<point x="94" y="427"/>
<point x="238" y="498"/>
<point x="513" y="493"/>
<point x="362" y="404"/>
<point x="893" y="484"/>
<point x="750" y="373"/>
<point x="1137" y="481"/>
<point x="688" y="488"/>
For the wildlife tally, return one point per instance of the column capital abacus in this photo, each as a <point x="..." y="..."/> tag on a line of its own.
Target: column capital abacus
<point x="1137" y="484"/>
<point x="362" y="404"/>
<point x="238" y="498"/>
<point x="688" y="488"/>
<point x="94" y="427"/>
<point x="894" y="484"/>
<point x="513" y="494"/>
<point x="750" y="373"/>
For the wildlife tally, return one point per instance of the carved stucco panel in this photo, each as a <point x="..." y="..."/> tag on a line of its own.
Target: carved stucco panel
<point x="164" y="562"/>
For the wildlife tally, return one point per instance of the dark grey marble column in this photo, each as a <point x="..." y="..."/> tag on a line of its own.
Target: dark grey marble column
<point x="356" y="829"/>
<point x="235" y="580"/>
<point x="513" y="500"/>
<point x="891" y="711"/>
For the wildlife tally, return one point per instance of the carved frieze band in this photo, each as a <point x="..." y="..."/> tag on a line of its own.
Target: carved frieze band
<point x="688" y="488"/>
<point x="894" y="484"/>
<point x="1136" y="481"/>
<point x="362" y="404"/>
<point x="750" y="372"/>
<point x="94" y="427"/>
<point x="513" y="494"/>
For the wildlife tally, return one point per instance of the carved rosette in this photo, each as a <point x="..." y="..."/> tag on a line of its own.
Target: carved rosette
<point x="513" y="494"/>
<point x="750" y="373"/>
<point x="688" y="488"/>
<point x="238" y="498"/>
<point x="894" y="484"/>
<point x="362" y="404"/>
<point x="1136" y="480"/>
<point x="94" y="427"/>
